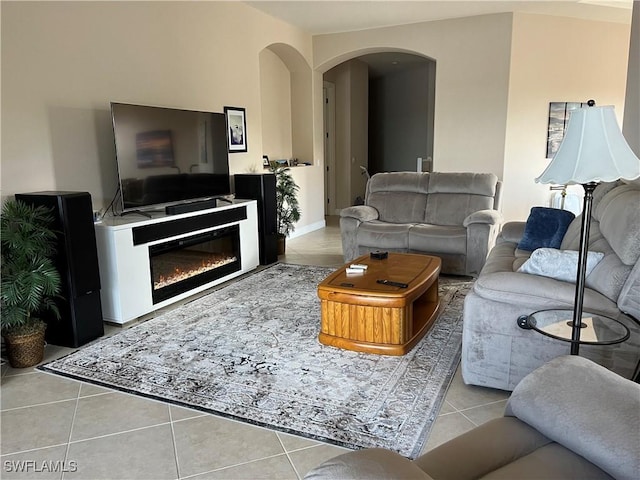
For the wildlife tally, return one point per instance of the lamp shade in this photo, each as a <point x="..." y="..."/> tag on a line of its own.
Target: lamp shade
<point x="592" y="150"/>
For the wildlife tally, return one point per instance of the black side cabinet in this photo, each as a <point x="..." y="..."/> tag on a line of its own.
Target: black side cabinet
<point x="77" y="261"/>
<point x="262" y="187"/>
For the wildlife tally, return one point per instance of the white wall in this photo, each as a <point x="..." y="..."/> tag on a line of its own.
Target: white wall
<point x="63" y="62"/>
<point x="351" y="80"/>
<point x="492" y="95"/>
<point x="472" y="76"/>
<point x="554" y="59"/>
<point x="359" y="127"/>
<point x="275" y="87"/>
<point x="631" y="127"/>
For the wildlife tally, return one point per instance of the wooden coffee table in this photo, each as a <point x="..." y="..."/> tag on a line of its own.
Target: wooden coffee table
<point x="360" y="314"/>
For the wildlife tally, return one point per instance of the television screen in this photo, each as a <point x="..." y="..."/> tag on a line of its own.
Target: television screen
<point x="168" y="155"/>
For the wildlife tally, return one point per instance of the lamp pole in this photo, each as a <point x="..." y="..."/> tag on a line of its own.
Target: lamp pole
<point x="577" y="323"/>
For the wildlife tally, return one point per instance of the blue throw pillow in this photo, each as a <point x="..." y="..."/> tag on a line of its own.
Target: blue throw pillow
<point x="545" y="228"/>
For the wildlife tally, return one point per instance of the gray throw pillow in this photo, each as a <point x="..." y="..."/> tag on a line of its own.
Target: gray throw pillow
<point x="559" y="264"/>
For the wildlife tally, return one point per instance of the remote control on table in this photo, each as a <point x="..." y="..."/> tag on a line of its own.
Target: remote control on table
<point x="391" y="283"/>
<point x="359" y="266"/>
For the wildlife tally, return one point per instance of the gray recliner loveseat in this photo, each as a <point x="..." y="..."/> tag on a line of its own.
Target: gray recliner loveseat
<point x="497" y="353"/>
<point x="450" y="215"/>
<point x="569" y="419"/>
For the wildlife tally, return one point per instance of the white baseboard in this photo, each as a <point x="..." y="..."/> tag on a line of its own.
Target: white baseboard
<point x="308" y="229"/>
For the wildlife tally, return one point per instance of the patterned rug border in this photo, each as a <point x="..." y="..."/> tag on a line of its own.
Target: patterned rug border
<point x="421" y="441"/>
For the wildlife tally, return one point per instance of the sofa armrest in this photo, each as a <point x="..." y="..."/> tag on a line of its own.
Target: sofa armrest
<point x="491" y="217"/>
<point x="373" y="463"/>
<point x="586" y="408"/>
<point x="482" y="227"/>
<point x="512" y="232"/>
<point x="350" y="220"/>
<point x="362" y="213"/>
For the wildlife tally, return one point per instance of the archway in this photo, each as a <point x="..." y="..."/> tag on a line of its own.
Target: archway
<point x="384" y="117"/>
<point x="286" y="100"/>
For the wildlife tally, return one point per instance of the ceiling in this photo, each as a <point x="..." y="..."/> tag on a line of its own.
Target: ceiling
<point x="321" y="17"/>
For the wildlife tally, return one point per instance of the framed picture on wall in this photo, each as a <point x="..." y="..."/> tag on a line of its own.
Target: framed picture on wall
<point x="558" y="118"/>
<point x="236" y="129"/>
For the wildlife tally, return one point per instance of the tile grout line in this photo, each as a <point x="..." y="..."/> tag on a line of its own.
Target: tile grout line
<point x="289" y="459"/>
<point x="29" y="450"/>
<point x="233" y="466"/>
<point x="175" y="444"/>
<point x="73" y="421"/>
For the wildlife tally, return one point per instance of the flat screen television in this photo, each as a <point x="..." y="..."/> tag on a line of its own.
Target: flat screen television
<point x="167" y="156"/>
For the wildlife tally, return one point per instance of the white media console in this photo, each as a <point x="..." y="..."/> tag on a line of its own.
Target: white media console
<point x="125" y="245"/>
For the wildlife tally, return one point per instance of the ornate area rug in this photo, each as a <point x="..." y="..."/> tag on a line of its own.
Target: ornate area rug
<point x="249" y="351"/>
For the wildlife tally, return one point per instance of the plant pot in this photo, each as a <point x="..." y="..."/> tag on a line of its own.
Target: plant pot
<point x="281" y="244"/>
<point x="25" y="350"/>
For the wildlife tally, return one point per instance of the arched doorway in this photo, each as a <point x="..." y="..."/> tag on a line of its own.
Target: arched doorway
<point x="383" y="111"/>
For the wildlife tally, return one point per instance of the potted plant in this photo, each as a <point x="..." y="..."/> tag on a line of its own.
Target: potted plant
<point x="287" y="208"/>
<point x="30" y="281"/>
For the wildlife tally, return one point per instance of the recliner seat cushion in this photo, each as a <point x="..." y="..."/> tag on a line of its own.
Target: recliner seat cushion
<point x="438" y="238"/>
<point x="384" y="235"/>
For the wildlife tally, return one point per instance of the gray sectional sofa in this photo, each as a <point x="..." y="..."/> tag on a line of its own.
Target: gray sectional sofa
<point x="497" y="353"/>
<point x="451" y="215"/>
<point x="570" y="419"/>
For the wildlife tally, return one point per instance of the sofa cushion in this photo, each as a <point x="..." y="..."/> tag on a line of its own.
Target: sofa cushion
<point x="610" y="274"/>
<point x="438" y="238"/>
<point x="384" y="235"/>
<point x="617" y="237"/>
<point x="399" y="197"/>
<point x="595" y="423"/>
<point x="534" y="293"/>
<point x="559" y="264"/>
<point x="545" y="228"/>
<point x="502" y="259"/>
<point x="454" y="196"/>
<point x="619" y="215"/>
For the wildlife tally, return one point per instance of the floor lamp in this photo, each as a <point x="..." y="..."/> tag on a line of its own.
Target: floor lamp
<point x="593" y="150"/>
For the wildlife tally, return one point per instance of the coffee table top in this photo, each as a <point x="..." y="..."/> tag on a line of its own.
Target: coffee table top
<point x="414" y="270"/>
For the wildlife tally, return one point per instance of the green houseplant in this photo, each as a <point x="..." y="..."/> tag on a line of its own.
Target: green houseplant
<point x="30" y="281"/>
<point x="287" y="207"/>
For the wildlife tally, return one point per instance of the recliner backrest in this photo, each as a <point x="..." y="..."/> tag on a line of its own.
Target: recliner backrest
<point x="615" y="231"/>
<point x="399" y="197"/>
<point x="454" y="196"/>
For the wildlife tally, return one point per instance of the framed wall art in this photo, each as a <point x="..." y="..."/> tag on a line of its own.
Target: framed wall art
<point x="236" y="129"/>
<point x="558" y="118"/>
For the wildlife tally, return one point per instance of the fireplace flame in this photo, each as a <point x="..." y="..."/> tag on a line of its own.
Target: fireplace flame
<point x="184" y="272"/>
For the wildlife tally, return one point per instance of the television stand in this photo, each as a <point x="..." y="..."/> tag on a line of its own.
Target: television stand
<point x="127" y="247"/>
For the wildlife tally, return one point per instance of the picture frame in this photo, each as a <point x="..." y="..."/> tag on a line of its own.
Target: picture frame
<point x="558" y="118"/>
<point x="236" y="129"/>
<point x="265" y="161"/>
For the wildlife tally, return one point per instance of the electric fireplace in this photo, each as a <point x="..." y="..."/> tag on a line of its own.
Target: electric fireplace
<point x="178" y="266"/>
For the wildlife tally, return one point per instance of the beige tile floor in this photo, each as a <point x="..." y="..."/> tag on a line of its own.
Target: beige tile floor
<point x="54" y="427"/>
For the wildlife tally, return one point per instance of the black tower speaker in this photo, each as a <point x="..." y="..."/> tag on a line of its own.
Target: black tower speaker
<point x="262" y="187"/>
<point x="77" y="261"/>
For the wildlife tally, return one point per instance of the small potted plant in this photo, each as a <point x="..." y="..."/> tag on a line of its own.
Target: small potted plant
<point x="287" y="208"/>
<point x="30" y="281"/>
